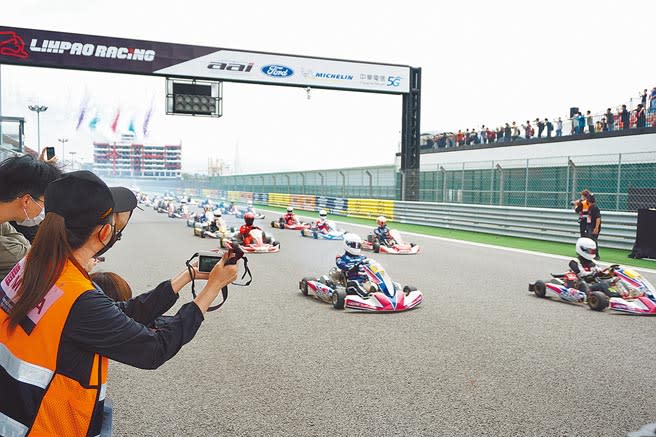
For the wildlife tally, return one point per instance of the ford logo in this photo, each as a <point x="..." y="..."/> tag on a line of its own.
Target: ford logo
<point x="277" y="71"/>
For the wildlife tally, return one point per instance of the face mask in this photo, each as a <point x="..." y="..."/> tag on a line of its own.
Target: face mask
<point x="116" y="236"/>
<point x="30" y="222"/>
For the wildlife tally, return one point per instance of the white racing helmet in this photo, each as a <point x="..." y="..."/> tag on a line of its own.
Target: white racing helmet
<point x="352" y="243"/>
<point x="290" y="209"/>
<point x="381" y="220"/>
<point x="323" y="213"/>
<point x="217" y="213"/>
<point x="586" y="248"/>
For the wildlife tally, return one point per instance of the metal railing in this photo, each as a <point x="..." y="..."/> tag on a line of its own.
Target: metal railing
<point x="559" y="225"/>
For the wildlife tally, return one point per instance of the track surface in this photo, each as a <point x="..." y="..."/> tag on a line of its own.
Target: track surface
<point x="480" y="356"/>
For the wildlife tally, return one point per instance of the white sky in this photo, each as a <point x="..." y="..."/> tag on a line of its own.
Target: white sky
<point x="483" y="62"/>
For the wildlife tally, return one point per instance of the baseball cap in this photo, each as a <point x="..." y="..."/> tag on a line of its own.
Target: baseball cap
<point x="84" y="200"/>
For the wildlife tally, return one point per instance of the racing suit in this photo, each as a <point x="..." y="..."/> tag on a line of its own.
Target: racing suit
<point x="217" y="225"/>
<point x="290" y="218"/>
<point x="322" y="226"/>
<point x="589" y="272"/>
<point x="347" y="263"/>
<point x="244" y="234"/>
<point x="382" y="233"/>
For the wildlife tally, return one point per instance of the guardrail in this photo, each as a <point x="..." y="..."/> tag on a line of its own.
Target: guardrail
<point x="559" y="225"/>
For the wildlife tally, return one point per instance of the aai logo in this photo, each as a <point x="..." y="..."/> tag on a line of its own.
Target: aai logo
<point x="277" y="71"/>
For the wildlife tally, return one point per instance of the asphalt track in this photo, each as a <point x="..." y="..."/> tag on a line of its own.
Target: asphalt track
<point x="480" y="356"/>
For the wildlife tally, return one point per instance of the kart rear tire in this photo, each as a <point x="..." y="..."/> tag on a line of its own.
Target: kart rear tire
<point x="376" y="247"/>
<point x="273" y="223"/>
<point x="540" y="289"/>
<point x="598" y="301"/>
<point x="338" y="298"/>
<point x="304" y="286"/>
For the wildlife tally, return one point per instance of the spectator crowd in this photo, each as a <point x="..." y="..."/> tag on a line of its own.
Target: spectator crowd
<point x="643" y="115"/>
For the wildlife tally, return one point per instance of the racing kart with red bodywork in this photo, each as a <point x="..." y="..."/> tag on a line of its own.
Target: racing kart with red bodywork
<point x="393" y="245"/>
<point x="260" y="242"/>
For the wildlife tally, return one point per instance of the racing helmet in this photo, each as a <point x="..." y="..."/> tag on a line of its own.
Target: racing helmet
<point x="290" y="209"/>
<point x="381" y="220"/>
<point x="323" y="213"/>
<point x="217" y="213"/>
<point x="250" y="203"/>
<point x="586" y="248"/>
<point x="249" y="218"/>
<point x="352" y="243"/>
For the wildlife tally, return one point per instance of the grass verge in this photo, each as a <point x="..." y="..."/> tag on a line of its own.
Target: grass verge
<point x="612" y="256"/>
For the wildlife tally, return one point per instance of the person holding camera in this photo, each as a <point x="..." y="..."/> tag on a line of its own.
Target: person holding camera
<point x="23" y="181"/>
<point x="594" y="215"/>
<point x="581" y="207"/>
<point x="58" y="332"/>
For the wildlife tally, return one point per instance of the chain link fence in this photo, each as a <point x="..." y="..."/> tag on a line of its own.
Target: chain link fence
<point x="620" y="182"/>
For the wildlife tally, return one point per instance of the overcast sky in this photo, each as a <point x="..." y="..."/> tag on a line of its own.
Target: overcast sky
<point x="483" y="62"/>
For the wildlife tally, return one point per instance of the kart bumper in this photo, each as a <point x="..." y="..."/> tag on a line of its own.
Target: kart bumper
<point x="380" y="303"/>
<point x="642" y="306"/>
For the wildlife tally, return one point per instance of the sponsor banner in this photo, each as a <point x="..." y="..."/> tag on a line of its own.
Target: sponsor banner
<point x="334" y="205"/>
<point x="294" y="70"/>
<point x="41" y="48"/>
<point x="261" y="198"/>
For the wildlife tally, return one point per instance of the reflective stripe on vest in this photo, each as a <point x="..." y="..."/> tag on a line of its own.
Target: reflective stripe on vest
<point x="40" y="400"/>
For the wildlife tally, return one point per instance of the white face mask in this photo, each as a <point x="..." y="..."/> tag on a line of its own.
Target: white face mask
<point x="29" y="222"/>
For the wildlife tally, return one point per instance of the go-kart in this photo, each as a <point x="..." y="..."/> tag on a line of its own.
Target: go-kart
<point x="280" y="224"/>
<point x="332" y="234"/>
<point x="202" y="230"/>
<point x="261" y="243"/>
<point x="394" y="245"/>
<point x="378" y="294"/>
<point x="616" y="288"/>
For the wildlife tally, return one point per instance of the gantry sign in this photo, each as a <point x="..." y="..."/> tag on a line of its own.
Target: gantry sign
<point x="42" y="48"/>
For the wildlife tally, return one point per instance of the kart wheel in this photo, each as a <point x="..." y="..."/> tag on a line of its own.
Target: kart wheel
<point x="273" y="224"/>
<point x="598" y="301"/>
<point x="540" y="289"/>
<point x="338" y="299"/>
<point x="304" y="286"/>
<point x="202" y="234"/>
<point x="376" y="247"/>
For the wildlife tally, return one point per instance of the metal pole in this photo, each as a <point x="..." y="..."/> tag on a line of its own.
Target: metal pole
<point x="526" y="186"/>
<point x="1" y="106"/>
<point x="462" y="183"/>
<point x="567" y="185"/>
<point x="38" y="130"/>
<point x="619" y="178"/>
<point x="492" y="183"/>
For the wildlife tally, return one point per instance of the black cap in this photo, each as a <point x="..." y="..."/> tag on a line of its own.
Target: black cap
<point x="84" y="200"/>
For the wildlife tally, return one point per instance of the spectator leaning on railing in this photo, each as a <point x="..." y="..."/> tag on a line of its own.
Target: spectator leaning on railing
<point x="23" y="182"/>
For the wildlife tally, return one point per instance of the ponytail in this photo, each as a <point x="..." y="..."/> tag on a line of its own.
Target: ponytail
<point x="53" y="246"/>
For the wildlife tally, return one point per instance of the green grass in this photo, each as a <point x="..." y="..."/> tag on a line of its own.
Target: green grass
<point x="612" y="256"/>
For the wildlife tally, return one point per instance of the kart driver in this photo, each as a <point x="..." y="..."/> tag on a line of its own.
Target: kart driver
<point x="584" y="265"/>
<point x="322" y="224"/>
<point x="351" y="263"/>
<point x="217" y="224"/>
<point x="245" y="230"/>
<point x="382" y="232"/>
<point x="290" y="218"/>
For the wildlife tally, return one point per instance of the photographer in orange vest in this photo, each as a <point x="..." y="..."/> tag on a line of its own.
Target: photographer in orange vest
<point x="57" y="332"/>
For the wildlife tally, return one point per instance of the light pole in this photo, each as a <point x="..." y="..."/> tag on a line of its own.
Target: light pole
<point x="72" y="160"/>
<point x="63" y="142"/>
<point x="38" y="109"/>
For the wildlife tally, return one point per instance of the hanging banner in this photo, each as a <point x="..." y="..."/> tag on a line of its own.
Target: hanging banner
<point x="41" y="48"/>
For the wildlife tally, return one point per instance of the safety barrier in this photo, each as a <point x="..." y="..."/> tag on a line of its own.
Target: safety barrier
<point x="547" y="224"/>
<point x="559" y="225"/>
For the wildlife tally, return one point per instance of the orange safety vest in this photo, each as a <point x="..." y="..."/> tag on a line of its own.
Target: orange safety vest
<point x="36" y="399"/>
